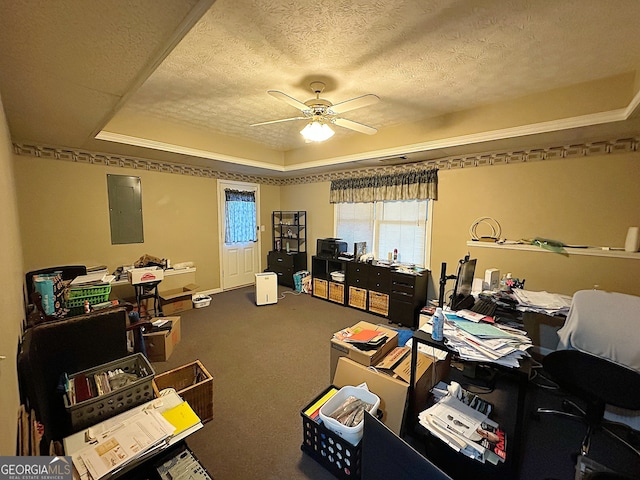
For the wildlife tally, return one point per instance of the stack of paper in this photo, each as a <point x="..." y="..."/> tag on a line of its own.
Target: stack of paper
<point x="123" y="443"/>
<point x="542" y="302"/>
<point x="91" y="279"/>
<point x="483" y="342"/>
<point x="465" y="429"/>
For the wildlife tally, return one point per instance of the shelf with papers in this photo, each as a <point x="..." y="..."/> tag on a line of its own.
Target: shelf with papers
<point x="519" y="375"/>
<point x="587" y="251"/>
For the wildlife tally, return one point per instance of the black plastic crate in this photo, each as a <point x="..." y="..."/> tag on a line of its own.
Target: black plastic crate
<point x="338" y="456"/>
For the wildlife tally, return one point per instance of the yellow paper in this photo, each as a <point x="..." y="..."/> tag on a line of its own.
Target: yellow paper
<point x="320" y="402"/>
<point x="181" y="417"/>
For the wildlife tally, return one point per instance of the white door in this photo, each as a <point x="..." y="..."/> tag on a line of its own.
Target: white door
<point x="239" y="257"/>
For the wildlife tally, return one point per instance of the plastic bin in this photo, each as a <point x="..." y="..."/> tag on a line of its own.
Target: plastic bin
<point x="97" y="409"/>
<point x="193" y="383"/>
<point x="350" y="434"/>
<point x="75" y="297"/>
<point x="330" y="450"/>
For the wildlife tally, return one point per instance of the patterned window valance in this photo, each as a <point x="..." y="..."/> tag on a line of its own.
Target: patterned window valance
<point x="412" y="185"/>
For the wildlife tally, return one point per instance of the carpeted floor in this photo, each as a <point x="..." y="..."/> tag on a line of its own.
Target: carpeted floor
<point x="269" y="361"/>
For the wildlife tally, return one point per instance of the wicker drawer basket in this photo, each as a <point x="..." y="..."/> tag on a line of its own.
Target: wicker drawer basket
<point x="336" y="292"/>
<point x="358" y="298"/>
<point x="193" y="383"/>
<point x="379" y="303"/>
<point x="320" y="288"/>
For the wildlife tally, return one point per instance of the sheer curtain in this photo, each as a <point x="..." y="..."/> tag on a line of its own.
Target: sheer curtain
<point x="240" y="216"/>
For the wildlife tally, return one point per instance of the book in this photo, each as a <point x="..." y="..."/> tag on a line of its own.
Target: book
<point x="182" y="417"/>
<point x="81" y="386"/>
<point x="314" y="410"/>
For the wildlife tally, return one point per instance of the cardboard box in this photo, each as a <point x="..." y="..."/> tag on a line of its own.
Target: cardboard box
<point x="160" y="344"/>
<point x="145" y="275"/>
<point x="364" y="357"/>
<point x="390" y="385"/>
<point x="178" y="299"/>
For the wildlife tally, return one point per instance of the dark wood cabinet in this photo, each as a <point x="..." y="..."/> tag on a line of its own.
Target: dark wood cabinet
<point x="324" y="285"/>
<point x="285" y="265"/>
<point x="407" y="295"/>
<point x="377" y="289"/>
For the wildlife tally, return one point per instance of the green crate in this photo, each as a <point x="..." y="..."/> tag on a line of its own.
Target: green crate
<point x="76" y="297"/>
<point x="75" y="292"/>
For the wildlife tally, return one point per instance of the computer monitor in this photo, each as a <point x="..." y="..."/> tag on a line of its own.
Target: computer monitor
<point x="461" y="297"/>
<point x="385" y="456"/>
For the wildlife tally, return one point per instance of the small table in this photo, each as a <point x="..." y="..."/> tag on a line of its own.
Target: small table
<point x="149" y="290"/>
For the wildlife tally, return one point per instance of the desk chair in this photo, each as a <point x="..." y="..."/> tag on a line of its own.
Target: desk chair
<point x="597" y="359"/>
<point x="68" y="272"/>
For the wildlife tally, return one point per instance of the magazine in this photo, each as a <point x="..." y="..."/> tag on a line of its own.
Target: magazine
<point x="460" y="419"/>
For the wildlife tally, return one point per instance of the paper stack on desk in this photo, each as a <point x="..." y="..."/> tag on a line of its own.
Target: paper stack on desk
<point x="542" y="302"/>
<point x="482" y="342"/>
<point x="465" y="428"/>
<point x="123" y="443"/>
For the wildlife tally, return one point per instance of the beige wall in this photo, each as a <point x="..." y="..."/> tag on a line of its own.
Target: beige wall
<point x="589" y="200"/>
<point x="580" y="201"/>
<point x="64" y="217"/>
<point x="11" y="296"/>
<point x="314" y="199"/>
<point x="269" y="201"/>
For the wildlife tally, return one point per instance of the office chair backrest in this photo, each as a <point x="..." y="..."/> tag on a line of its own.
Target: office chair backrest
<point x="604" y="324"/>
<point x="69" y="272"/>
<point x="595" y="378"/>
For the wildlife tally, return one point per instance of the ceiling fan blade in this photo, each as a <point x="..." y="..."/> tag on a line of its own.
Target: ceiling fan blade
<point x="358" y="127"/>
<point x="277" y="121"/>
<point x="287" y="99"/>
<point x="354" y="103"/>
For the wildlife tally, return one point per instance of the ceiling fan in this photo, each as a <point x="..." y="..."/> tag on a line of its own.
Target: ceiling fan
<point x="321" y="112"/>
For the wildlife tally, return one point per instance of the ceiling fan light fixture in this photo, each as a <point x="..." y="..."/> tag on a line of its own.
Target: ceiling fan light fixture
<point x="317" y="131"/>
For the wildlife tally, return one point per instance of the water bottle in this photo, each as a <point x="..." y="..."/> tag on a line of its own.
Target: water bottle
<point x="437" y="331"/>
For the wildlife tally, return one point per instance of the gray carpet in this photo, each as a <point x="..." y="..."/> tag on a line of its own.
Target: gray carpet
<point x="268" y="362"/>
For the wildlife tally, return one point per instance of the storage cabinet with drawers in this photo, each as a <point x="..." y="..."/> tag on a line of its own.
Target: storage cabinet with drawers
<point x="407" y="295"/>
<point x="377" y="289"/>
<point x="285" y="265"/>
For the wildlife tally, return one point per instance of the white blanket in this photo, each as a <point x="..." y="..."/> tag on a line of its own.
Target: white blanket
<point x="606" y="324"/>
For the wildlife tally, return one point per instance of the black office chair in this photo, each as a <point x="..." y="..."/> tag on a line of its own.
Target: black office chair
<point x="68" y="272"/>
<point x="598" y="382"/>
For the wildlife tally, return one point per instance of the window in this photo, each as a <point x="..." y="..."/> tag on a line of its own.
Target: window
<point x="240" y="213"/>
<point x="386" y="226"/>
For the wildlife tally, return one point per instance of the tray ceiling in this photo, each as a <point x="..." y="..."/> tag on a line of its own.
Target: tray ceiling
<point x="190" y="77"/>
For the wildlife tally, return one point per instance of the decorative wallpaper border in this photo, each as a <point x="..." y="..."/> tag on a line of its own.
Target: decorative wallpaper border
<point x="447" y="163"/>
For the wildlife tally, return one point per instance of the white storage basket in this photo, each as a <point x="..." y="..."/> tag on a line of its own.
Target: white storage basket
<point x="350" y="434"/>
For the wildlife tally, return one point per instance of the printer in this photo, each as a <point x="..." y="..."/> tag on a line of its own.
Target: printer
<point x="330" y="248"/>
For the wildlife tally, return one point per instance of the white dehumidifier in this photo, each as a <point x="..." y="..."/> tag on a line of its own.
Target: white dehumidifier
<point x="266" y="288"/>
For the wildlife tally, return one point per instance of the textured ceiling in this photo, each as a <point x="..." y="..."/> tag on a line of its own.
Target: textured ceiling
<point x="425" y="59"/>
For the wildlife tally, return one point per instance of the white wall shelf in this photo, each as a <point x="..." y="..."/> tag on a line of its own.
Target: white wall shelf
<point x="589" y="251"/>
